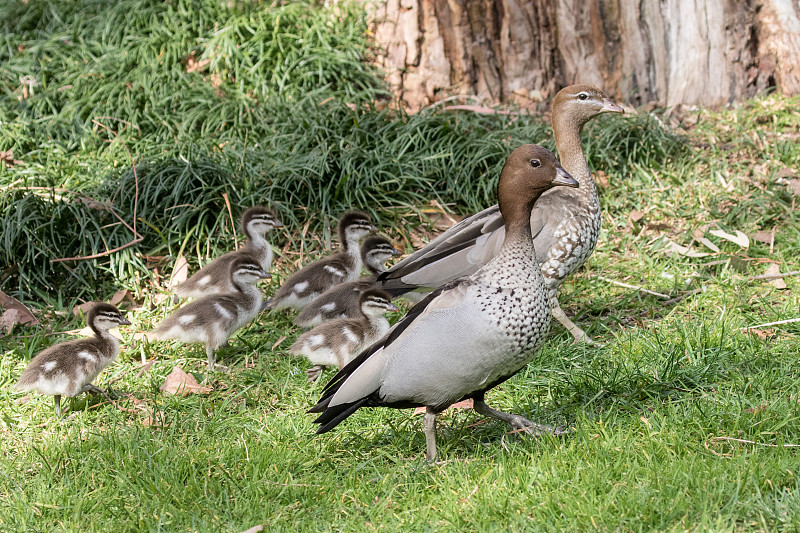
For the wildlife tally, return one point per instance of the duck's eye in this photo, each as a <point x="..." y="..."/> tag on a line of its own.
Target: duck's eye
<point x="535" y="163"/>
<point x="583" y="96"/>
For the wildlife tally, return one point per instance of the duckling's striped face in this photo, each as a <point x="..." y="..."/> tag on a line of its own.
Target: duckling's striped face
<point x="260" y="222"/>
<point x="105" y="317"/>
<point x="359" y="228"/>
<point x="248" y="272"/>
<point x="376" y="302"/>
<point x="379" y="251"/>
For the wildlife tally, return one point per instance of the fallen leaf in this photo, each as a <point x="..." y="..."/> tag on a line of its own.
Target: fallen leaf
<point x="767" y="237"/>
<point x="794" y="186"/>
<point x="82" y="309"/>
<point x="120" y="295"/>
<point x="675" y="248"/>
<point x="634" y="217"/>
<point x="773" y="270"/>
<point x="87" y="332"/>
<point x="179" y="273"/>
<point x="254" y="529"/>
<point x="787" y="173"/>
<point x="16" y="313"/>
<point x="700" y="237"/>
<point x="8" y="158"/>
<point x="602" y="179"/>
<point x="763" y="334"/>
<point x="154" y="418"/>
<point x="179" y="382"/>
<point x="466" y="404"/>
<point x="740" y="238"/>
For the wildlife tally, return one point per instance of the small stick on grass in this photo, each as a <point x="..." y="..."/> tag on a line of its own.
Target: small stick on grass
<point x="779" y="322"/>
<point x="745" y="441"/>
<point x="777" y="276"/>
<point x="635" y="287"/>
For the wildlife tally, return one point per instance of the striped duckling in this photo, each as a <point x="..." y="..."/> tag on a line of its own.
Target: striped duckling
<point x="469" y="335"/>
<point x="338" y="341"/>
<point x="565" y="222"/>
<point x="68" y="368"/>
<point x="309" y="282"/>
<point x="214" y="278"/>
<point x="213" y="319"/>
<point x="343" y="300"/>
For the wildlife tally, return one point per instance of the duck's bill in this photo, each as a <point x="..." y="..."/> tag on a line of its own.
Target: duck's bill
<point x="609" y="106"/>
<point x="124" y="322"/>
<point x="563" y="178"/>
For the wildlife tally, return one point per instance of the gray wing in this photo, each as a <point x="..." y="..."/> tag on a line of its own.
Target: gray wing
<point x="459" y="251"/>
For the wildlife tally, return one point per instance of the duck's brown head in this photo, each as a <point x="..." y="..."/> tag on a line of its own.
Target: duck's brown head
<point x="577" y="104"/>
<point x="529" y="171"/>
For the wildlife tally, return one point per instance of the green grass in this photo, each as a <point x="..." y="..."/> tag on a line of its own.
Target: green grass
<point x="653" y="409"/>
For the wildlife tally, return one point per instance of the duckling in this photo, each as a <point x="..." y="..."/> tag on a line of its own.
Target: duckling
<point x="342" y="301"/>
<point x="336" y="342"/>
<point x="214" y="318"/>
<point x="309" y="282"/>
<point x="565" y="222"/>
<point x="469" y="335"/>
<point x="68" y="368"/>
<point x="214" y="278"/>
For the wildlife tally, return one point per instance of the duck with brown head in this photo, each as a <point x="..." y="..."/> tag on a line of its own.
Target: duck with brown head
<point x="469" y="335"/>
<point x="565" y="222"/>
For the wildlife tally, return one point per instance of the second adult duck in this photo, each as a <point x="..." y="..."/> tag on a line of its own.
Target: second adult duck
<point x="565" y="222"/>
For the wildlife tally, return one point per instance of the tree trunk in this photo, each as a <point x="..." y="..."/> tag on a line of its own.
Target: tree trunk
<point x="707" y="52"/>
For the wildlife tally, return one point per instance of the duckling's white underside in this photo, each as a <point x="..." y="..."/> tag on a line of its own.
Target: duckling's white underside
<point x="58" y="377"/>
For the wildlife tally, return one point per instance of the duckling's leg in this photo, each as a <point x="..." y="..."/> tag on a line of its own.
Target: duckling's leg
<point x="314" y="373"/>
<point x="561" y="316"/>
<point x="95" y="390"/>
<point x="429" y="423"/>
<point x="210" y="355"/>
<point x="57" y="401"/>
<point x="516" y="421"/>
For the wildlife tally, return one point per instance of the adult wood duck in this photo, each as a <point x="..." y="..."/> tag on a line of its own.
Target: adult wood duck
<point x="68" y="368"/>
<point x="468" y="335"/>
<point x="565" y="222"/>
<point x="343" y="300"/>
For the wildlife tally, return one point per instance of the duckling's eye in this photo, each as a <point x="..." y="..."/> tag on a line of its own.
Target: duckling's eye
<point x="583" y="96"/>
<point x="535" y="163"/>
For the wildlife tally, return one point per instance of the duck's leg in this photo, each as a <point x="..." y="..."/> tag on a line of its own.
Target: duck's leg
<point x="314" y="373"/>
<point x="517" y="421"/>
<point x="57" y="402"/>
<point x="575" y="330"/>
<point x="429" y="423"/>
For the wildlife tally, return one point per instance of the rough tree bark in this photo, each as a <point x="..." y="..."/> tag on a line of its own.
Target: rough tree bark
<point x="707" y="52"/>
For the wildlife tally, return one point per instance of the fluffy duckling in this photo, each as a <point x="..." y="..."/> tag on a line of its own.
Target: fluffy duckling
<point x="214" y="278"/>
<point x="565" y="222"/>
<point x="469" y="335"/>
<point x="213" y="319"/>
<point x="343" y="300"/>
<point x="338" y="341"/>
<point x="309" y="282"/>
<point x="68" y="368"/>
